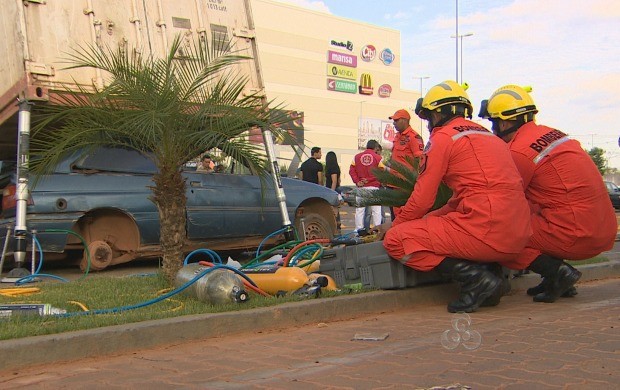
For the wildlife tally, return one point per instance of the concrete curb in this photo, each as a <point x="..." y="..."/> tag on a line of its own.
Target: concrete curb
<point x="30" y="351"/>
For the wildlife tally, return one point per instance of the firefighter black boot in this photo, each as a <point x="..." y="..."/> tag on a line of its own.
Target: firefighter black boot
<point x="558" y="278"/>
<point x="498" y="271"/>
<point x="532" y="291"/>
<point x="476" y="282"/>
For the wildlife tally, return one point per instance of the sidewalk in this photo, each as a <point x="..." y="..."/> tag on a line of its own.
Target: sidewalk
<point x="570" y="344"/>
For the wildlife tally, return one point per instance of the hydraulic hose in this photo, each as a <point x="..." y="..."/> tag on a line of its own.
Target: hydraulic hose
<point x="147" y="303"/>
<point x="287" y="259"/>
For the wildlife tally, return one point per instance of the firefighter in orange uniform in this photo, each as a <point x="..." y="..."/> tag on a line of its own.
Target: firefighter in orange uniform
<point x="572" y="217"/>
<point x="407" y="143"/>
<point x="485" y="220"/>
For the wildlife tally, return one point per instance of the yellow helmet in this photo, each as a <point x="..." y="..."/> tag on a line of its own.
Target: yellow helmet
<point x="443" y="94"/>
<point x="507" y="103"/>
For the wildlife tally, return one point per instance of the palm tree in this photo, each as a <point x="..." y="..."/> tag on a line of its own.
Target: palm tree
<point x="171" y="109"/>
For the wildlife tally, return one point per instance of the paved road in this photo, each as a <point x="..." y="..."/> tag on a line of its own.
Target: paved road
<point x="571" y="344"/>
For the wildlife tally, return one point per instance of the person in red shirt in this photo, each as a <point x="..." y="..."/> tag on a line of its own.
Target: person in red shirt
<point x="361" y="174"/>
<point x="484" y="220"/>
<point x="407" y="143"/>
<point x="571" y="214"/>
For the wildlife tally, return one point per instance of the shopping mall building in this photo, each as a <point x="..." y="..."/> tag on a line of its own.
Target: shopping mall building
<point x="342" y="76"/>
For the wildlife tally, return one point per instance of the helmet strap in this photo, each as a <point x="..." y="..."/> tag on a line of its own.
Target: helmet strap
<point x="516" y="124"/>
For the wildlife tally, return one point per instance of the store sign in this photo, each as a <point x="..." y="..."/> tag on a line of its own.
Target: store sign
<point x="387" y="56"/>
<point x="343" y="72"/>
<point x="368" y="53"/>
<point x="334" y="57"/>
<point x="345" y="45"/>
<point x="365" y="84"/>
<point x="341" y="86"/>
<point x="384" y="91"/>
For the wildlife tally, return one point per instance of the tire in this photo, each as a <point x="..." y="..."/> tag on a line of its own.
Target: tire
<point x="316" y="222"/>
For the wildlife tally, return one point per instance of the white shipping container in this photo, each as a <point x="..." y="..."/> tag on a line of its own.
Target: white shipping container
<point x="38" y="34"/>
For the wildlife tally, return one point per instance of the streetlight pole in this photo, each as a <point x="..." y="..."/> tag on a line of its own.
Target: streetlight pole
<point x="456" y="54"/>
<point x="461" y="39"/>
<point x="421" y="78"/>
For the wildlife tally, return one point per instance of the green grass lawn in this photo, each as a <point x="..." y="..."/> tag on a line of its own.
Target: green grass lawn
<point x="110" y="295"/>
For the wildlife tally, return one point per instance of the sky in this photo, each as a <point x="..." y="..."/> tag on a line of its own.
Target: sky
<point x="568" y="51"/>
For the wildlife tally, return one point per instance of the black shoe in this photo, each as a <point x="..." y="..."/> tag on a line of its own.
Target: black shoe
<point x="540" y="288"/>
<point x="363" y="232"/>
<point x="477" y="285"/>
<point x="558" y="284"/>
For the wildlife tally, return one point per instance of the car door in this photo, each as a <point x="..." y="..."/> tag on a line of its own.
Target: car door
<point x="223" y="205"/>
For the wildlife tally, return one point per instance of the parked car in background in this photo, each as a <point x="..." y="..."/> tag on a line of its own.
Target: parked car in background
<point x="103" y="196"/>
<point x="614" y="193"/>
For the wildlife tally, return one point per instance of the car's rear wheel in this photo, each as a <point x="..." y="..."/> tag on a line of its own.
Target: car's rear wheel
<point x="315" y="221"/>
<point x="112" y="238"/>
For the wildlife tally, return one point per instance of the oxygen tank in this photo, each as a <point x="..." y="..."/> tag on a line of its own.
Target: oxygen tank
<point x="274" y="280"/>
<point x="217" y="287"/>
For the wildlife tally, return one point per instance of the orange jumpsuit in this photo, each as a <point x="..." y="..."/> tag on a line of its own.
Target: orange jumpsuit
<point x="406" y="143"/>
<point x="486" y="219"/>
<point x="572" y="217"/>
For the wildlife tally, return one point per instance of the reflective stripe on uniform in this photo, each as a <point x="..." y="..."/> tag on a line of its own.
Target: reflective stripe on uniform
<point x="549" y="148"/>
<point x="470" y="132"/>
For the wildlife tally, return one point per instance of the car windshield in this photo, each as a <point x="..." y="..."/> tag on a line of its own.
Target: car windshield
<point x="611" y="186"/>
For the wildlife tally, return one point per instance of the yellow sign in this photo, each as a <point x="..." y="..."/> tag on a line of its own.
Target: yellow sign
<point x="342" y="72"/>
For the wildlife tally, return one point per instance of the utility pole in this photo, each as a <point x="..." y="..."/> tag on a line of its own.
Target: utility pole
<point x="421" y="78"/>
<point x="461" y="39"/>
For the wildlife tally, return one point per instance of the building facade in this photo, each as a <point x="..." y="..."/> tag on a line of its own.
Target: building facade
<point x="343" y="75"/>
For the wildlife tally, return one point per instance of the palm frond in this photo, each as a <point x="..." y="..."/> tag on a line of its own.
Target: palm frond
<point x="400" y="179"/>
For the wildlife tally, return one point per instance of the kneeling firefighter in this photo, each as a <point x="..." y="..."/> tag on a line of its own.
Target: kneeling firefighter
<point x="571" y="216"/>
<point x="484" y="222"/>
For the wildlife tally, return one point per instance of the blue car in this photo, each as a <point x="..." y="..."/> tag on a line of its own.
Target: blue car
<point x="103" y="196"/>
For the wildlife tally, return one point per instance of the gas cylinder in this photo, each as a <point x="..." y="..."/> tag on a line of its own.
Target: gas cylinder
<point x="312" y="267"/>
<point x="273" y="280"/>
<point x="217" y="287"/>
<point x="331" y="283"/>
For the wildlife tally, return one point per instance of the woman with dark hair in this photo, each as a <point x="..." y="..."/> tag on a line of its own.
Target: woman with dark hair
<point x="332" y="172"/>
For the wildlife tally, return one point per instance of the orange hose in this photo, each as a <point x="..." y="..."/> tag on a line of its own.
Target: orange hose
<point x="292" y="251"/>
<point x="245" y="282"/>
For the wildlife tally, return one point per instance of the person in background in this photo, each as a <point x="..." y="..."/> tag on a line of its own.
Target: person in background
<point x="206" y="164"/>
<point x="407" y="143"/>
<point x="571" y="215"/>
<point x="361" y="173"/>
<point x="485" y="220"/>
<point x="368" y="210"/>
<point x="332" y="172"/>
<point x="332" y="178"/>
<point x="311" y="170"/>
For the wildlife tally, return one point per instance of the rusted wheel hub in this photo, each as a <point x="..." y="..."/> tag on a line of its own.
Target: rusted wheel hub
<point x="100" y="256"/>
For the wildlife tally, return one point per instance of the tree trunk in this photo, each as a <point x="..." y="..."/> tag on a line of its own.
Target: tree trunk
<point x="169" y="196"/>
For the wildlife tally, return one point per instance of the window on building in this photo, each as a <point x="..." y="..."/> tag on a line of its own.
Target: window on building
<point x="219" y="38"/>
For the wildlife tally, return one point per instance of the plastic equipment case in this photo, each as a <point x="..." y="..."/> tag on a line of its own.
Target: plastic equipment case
<point x="370" y="265"/>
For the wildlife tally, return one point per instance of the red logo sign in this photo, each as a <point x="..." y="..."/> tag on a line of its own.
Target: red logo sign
<point x="368" y="53"/>
<point x="385" y="91"/>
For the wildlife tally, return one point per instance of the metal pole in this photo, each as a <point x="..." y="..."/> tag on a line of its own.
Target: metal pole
<point x="22" y="192"/>
<point x="275" y="175"/>
<point x="457" y="41"/>
<point x="463" y="36"/>
<point x="421" y="78"/>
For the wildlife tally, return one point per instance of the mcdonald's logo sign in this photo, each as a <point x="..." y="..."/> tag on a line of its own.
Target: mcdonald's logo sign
<point x="365" y="87"/>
